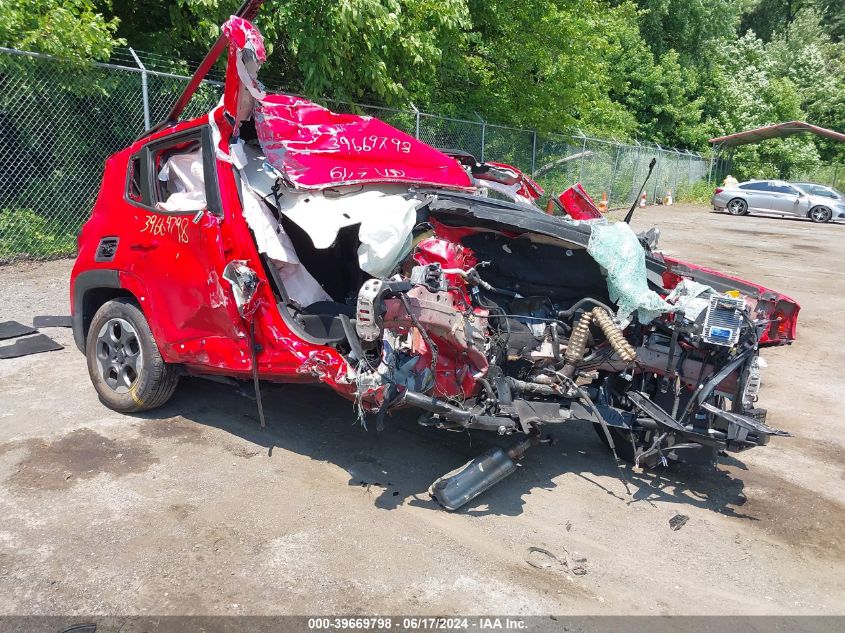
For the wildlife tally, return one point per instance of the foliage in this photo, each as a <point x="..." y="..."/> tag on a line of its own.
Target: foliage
<point x="670" y="71"/>
<point x="689" y="28"/>
<point x="63" y="28"/>
<point x="24" y="232"/>
<point x="699" y="193"/>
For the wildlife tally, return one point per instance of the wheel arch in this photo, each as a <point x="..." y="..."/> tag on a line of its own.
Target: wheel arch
<point x="92" y="289"/>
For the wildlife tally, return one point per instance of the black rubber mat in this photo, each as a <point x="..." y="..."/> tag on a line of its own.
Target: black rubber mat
<point x="29" y="345"/>
<point x="12" y="329"/>
<point x="52" y="321"/>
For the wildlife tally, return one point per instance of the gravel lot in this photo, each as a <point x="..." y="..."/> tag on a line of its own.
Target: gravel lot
<point x="193" y="509"/>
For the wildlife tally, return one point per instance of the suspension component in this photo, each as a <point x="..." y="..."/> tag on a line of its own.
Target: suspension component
<point x="614" y="335"/>
<point x="577" y="346"/>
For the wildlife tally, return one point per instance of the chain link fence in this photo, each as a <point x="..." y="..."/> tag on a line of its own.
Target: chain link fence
<point x="60" y="120"/>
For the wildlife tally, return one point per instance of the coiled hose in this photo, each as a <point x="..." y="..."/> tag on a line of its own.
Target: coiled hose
<point x="577" y="346"/>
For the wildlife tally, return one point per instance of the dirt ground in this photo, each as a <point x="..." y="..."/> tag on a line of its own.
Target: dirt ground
<point x="193" y="509"/>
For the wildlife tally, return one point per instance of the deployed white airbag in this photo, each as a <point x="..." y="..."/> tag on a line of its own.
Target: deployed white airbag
<point x="183" y="174"/>
<point x="386" y="220"/>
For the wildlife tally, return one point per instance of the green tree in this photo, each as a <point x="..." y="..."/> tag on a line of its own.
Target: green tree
<point x="747" y="90"/>
<point x="384" y="50"/>
<point x="658" y="91"/>
<point x="543" y="64"/>
<point x="64" y="28"/>
<point x="689" y="28"/>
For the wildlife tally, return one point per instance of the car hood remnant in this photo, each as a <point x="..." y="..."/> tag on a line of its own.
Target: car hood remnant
<point x="404" y="276"/>
<point x="315" y="148"/>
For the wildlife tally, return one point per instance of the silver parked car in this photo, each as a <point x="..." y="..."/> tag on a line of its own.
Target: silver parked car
<point x="824" y="191"/>
<point x="777" y="197"/>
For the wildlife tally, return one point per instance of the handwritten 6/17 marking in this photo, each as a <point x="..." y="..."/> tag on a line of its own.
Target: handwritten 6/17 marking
<point x="342" y="174"/>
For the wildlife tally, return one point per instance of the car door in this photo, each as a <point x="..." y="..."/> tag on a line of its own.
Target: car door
<point x="177" y="243"/>
<point x="786" y="199"/>
<point x="756" y="195"/>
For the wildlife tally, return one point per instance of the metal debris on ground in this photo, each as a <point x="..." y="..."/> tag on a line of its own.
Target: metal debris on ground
<point x="678" y="521"/>
<point x="541" y="558"/>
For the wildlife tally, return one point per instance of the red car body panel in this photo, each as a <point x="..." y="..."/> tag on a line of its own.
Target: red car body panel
<point x="316" y="148"/>
<point x="578" y="204"/>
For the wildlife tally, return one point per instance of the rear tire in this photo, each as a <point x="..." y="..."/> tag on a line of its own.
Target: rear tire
<point x="737" y="206"/>
<point x="124" y="363"/>
<point x="820" y="215"/>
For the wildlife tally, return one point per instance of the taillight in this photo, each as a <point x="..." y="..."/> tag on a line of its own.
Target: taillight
<point x="717" y="190"/>
<point x="780" y="326"/>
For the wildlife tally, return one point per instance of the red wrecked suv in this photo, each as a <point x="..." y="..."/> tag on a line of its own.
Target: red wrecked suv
<point x="275" y="240"/>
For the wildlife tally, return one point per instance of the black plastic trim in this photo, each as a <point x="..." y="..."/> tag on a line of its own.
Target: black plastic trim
<point x="84" y="283"/>
<point x="105" y="252"/>
<point x="509" y="215"/>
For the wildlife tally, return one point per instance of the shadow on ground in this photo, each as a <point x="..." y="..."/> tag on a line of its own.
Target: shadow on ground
<point x="398" y="464"/>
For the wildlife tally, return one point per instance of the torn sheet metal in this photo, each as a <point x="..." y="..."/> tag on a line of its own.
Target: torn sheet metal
<point x="246" y="46"/>
<point x="687" y="297"/>
<point x="270" y="237"/>
<point x="616" y="249"/>
<point x="316" y="148"/>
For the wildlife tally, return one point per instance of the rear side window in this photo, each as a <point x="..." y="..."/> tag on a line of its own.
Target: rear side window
<point x="756" y="186"/>
<point x="176" y="174"/>
<point x="133" y="180"/>
<point x="821" y="191"/>
<point x="179" y="177"/>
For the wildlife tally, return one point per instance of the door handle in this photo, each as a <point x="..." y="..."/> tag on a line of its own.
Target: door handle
<point x="144" y="246"/>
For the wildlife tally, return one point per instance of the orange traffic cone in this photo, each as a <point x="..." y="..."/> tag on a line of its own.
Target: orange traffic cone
<point x="603" y="202"/>
<point x="642" y="200"/>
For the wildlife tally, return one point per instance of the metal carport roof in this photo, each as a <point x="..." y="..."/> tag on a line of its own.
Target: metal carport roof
<point x="777" y="130"/>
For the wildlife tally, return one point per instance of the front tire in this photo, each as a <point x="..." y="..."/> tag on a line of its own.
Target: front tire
<point x="820" y="215"/>
<point x="124" y="363"/>
<point x="738" y="206"/>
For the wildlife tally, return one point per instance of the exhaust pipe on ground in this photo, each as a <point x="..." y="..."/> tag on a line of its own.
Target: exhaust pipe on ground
<point x="461" y="486"/>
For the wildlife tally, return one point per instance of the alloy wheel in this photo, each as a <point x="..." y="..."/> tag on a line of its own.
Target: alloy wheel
<point x="820" y="214"/>
<point x="737" y="207"/>
<point x="119" y="354"/>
